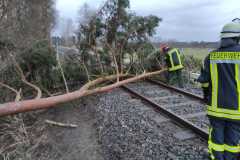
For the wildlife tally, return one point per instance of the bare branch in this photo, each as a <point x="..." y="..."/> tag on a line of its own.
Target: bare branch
<point x="62" y="72"/>
<point x="114" y="60"/>
<point x="98" y="58"/>
<point x="23" y="78"/>
<point x="18" y="93"/>
<point x="85" y="68"/>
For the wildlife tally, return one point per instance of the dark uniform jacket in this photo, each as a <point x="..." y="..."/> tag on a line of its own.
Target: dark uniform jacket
<point x="220" y="78"/>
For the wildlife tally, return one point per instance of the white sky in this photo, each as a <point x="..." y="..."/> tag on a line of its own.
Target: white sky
<point x="183" y="20"/>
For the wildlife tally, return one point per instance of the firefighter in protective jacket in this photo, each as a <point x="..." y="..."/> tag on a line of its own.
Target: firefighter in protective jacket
<point x="174" y="64"/>
<point x="220" y="78"/>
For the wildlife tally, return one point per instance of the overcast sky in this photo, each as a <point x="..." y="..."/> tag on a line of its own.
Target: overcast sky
<point x="183" y="20"/>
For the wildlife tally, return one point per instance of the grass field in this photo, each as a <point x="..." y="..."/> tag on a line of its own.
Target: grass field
<point x="199" y="53"/>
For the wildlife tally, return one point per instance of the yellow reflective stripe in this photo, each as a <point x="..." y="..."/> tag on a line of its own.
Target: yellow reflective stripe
<point x="210" y="133"/>
<point x="225" y="56"/>
<point x="209" y="140"/>
<point x="238" y="83"/>
<point x="216" y="74"/>
<point x="223" y="115"/>
<point x="175" y="68"/>
<point x="216" y="147"/>
<point x="179" y="57"/>
<point x="172" y="51"/>
<point x="205" y="85"/>
<point x="214" y="79"/>
<point x="209" y="144"/>
<point x="221" y="109"/>
<point x="221" y="147"/>
<point x="170" y="55"/>
<point x="212" y="157"/>
<point x="171" y="60"/>
<point x="232" y="149"/>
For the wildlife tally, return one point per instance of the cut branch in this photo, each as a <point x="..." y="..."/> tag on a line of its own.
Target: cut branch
<point x="61" y="124"/>
<point x="44" y="103"/>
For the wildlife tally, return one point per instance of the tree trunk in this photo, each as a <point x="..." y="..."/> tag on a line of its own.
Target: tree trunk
<point x="44" y="103"/>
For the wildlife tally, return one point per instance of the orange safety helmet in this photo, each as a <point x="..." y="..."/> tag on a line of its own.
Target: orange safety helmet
<point x="164" y="47"/>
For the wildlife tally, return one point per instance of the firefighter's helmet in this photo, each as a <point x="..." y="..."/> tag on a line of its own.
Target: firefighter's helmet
<point x="232" y="29"/>
<point x="164" y="47"/>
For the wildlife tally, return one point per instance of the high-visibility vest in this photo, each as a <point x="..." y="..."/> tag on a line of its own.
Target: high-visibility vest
<point x="225" y="85"/>
<point x="175" y="60"/>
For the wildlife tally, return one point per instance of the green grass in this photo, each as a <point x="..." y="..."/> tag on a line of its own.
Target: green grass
<point x="198" y="53"/>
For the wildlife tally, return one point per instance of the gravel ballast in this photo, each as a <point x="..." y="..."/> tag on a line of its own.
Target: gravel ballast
<point x="129" y="130"/>
<point x="154" y="92"/>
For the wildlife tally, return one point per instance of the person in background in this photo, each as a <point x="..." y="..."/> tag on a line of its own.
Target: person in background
<point x="220" y="79"/>
<point x="174" y="63"/>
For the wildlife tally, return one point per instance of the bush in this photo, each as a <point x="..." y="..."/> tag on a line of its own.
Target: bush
<point x="191" y="63"/>
<point x="38" y="62"/>
<point x="74" y="72"/>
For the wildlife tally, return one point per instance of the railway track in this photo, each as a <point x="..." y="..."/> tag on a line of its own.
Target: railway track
<point x="131" y="129"/>
<point x="184" y="108"/>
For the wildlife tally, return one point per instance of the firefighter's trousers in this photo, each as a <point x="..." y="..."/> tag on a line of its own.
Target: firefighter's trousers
<point x="224" y="136"/>
<point x="175" y="78"/>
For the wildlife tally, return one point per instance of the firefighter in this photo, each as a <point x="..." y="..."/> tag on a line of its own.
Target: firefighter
<point x="220" y="79"/>
<point x="174" y="64"/>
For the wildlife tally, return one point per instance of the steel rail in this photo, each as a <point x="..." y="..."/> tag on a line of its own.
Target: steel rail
<point x="188" y="94"/>
<point x="179" y="120"/>
<point x="197" y="130"/>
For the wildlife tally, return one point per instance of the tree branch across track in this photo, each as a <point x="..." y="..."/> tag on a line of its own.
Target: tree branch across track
<point x="44" y="103"/>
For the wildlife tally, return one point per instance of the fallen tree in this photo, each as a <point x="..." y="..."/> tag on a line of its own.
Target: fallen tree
<point x="106" y="40"/>
<point x="44" y="103"/>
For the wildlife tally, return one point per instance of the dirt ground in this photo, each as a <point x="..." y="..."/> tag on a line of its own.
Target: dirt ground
<point x="41" y="141"/>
